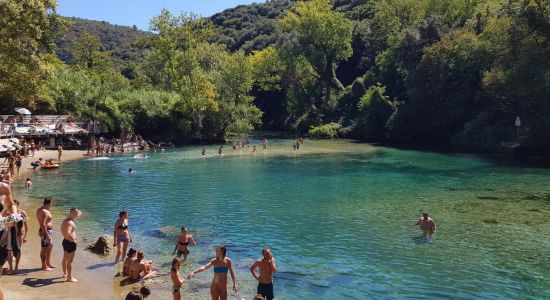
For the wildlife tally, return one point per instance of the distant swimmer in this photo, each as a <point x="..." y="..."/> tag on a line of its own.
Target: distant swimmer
<point x="28" y="184"/>
<point x="220" y="151"/>
<point x="183" y="242"/>
<point x="130" y="170"/>
<point x="267" y="267"/>
<point x="264" y="143"/>
<point x="427" y="224"/>
<point x="203" y="151"/>
<point x="68" y="229"/>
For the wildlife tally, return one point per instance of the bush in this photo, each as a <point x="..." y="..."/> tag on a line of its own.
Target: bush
<point x="326" y="131"/>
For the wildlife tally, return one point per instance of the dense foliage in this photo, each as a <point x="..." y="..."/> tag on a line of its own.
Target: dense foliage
<point x="418" y="72"/>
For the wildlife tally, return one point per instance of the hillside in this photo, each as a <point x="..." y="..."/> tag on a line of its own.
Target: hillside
<point x="117" y="39"/>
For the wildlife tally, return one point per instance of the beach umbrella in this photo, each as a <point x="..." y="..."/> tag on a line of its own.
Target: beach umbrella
<point x="23" y="111"/>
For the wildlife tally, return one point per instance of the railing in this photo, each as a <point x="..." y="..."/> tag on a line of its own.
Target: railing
<point x="40" y="129"/>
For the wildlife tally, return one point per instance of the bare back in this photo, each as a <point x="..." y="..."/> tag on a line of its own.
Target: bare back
<point x="44" y="216"/>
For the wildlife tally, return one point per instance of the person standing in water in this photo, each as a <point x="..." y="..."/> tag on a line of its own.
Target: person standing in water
<point x="177" y="280"/>
<point x="427" y="224"/>
<point x="221" y="264"/>
<point x="203" y="151"/>
<point x="267" y="267"/>
<point x="28" y="184"/>
<point x="264" y="143"/>
<point x="59" y="152"/>
<point x="183" y="242"/>
<point x="44" y="217"/>
<point x="68" y="229"/>
<point x="121" y="235"/>
<point x="220" y="151"/>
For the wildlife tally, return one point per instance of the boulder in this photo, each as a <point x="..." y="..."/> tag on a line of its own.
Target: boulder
<point x="102" y="246"/>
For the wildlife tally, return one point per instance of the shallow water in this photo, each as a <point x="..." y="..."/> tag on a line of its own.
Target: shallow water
<point x="338" y="216"/>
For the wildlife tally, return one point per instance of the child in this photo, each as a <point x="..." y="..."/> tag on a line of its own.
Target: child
<point x="28" y="184"/>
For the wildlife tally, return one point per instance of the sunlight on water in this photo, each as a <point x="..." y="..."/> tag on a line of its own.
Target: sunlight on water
<point x="337" y="215"/>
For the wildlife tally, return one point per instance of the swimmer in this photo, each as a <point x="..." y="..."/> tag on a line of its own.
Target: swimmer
<point x="221" y="264"/>
<point x="68" y="229"/>
<point x="121" y="235"/>
<point x="28" y="184"/>
<point x="44" y="217"/>
<point x="264" y="143"/>
<point x="267" y="267"/>
<point x="427" y="225"/>
<point x="182" y="242"/>
<point x="177" y="280"/>
<point x="130" y="170"/>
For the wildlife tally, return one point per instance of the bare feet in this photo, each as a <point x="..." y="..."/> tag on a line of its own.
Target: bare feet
<point x="65" y="275"/>
<point x="47" y="269"/>
<point x="72" y="279"/>
<point x="52" y="266"/>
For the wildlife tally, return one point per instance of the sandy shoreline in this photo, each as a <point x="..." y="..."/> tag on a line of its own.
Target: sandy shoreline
<point x="94" y="272"/>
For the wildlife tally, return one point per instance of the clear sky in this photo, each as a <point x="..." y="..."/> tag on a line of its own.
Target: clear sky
<point x="139" y="12"/>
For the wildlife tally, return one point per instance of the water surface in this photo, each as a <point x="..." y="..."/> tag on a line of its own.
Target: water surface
<point x="338" y="216"/>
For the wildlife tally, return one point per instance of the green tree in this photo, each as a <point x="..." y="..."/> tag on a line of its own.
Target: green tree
<point x="28" y="30"/>
<point x="375" y="108"/>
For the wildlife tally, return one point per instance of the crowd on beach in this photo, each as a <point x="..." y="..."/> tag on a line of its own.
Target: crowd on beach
<point x="14" y="227"/>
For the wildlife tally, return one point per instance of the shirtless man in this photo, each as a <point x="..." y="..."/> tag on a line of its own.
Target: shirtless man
<point x="68" y="229"/>
<point x="265" y="279"/>
<point x="44" y="217"/>
<point x="427" y="225"/>
<point x="59" y="152"/>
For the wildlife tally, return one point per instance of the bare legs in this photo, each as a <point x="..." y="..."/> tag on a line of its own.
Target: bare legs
<point x="45" y="253"/>
<point x="66" y="263"/>
<point x="121" y="249"/>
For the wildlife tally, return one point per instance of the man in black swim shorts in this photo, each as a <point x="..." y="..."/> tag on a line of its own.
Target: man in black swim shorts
<point x="68" y="229"/>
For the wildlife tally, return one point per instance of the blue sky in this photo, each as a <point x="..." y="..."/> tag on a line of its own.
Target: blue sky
<point x="139" y="12"/>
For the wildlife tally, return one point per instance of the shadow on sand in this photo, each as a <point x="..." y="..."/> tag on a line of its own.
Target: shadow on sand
<point x="97" y="266"/>
<point x="36" y="282"/>
<point x="21" y="272"/>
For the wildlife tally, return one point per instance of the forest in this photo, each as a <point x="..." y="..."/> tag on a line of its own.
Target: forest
<point x="450" y="74"/>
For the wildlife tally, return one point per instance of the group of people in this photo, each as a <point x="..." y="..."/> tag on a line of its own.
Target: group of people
<point x="136" y="268"/>
<point x="127" y="142"/>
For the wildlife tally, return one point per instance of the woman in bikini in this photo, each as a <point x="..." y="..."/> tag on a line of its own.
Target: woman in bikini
<point x="182" y="242"/>
<point x="221" y="264"/>
<point x="177" y="280"/>
<point x="122" y="235"/>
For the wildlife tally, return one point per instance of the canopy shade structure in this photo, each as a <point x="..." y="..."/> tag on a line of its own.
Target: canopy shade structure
<point x="23" y="111"/>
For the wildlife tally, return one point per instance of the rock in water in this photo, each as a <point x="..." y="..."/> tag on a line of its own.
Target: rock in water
<point x="102" y="246"/>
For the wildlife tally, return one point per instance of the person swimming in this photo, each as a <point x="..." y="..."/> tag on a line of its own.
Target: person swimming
<point x="427" y="224"/>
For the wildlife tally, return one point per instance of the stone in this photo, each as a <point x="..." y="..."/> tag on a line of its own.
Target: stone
<point x="102" y="246"/>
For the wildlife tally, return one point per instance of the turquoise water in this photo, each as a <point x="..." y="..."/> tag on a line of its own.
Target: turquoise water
<point x="337" y="215"/>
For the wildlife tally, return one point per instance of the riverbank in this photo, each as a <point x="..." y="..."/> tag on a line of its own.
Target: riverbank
<point x="31" y="282"/>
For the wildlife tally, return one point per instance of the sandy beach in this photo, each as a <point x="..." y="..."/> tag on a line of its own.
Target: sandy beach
<point x="94" y="272"/>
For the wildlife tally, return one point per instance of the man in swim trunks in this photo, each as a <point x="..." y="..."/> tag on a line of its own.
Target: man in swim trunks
<point x="44" y="217"/>
<point x="68" y="229"/>
<point x="267" y="267"/>
<point x="427" y="225"/>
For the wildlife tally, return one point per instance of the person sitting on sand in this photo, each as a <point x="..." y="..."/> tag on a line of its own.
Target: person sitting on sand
<point x="140" y="268"/>
<point x="427" y="225"/>
<point x="221" y="264"/>
<point x="122" y="235"/>
<point x="130" y="258"/>
<point x="28" y="184"/>
<point x="177" y="280"/>
<point x="182" y="242"/>
<point x="133" y="295"/>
